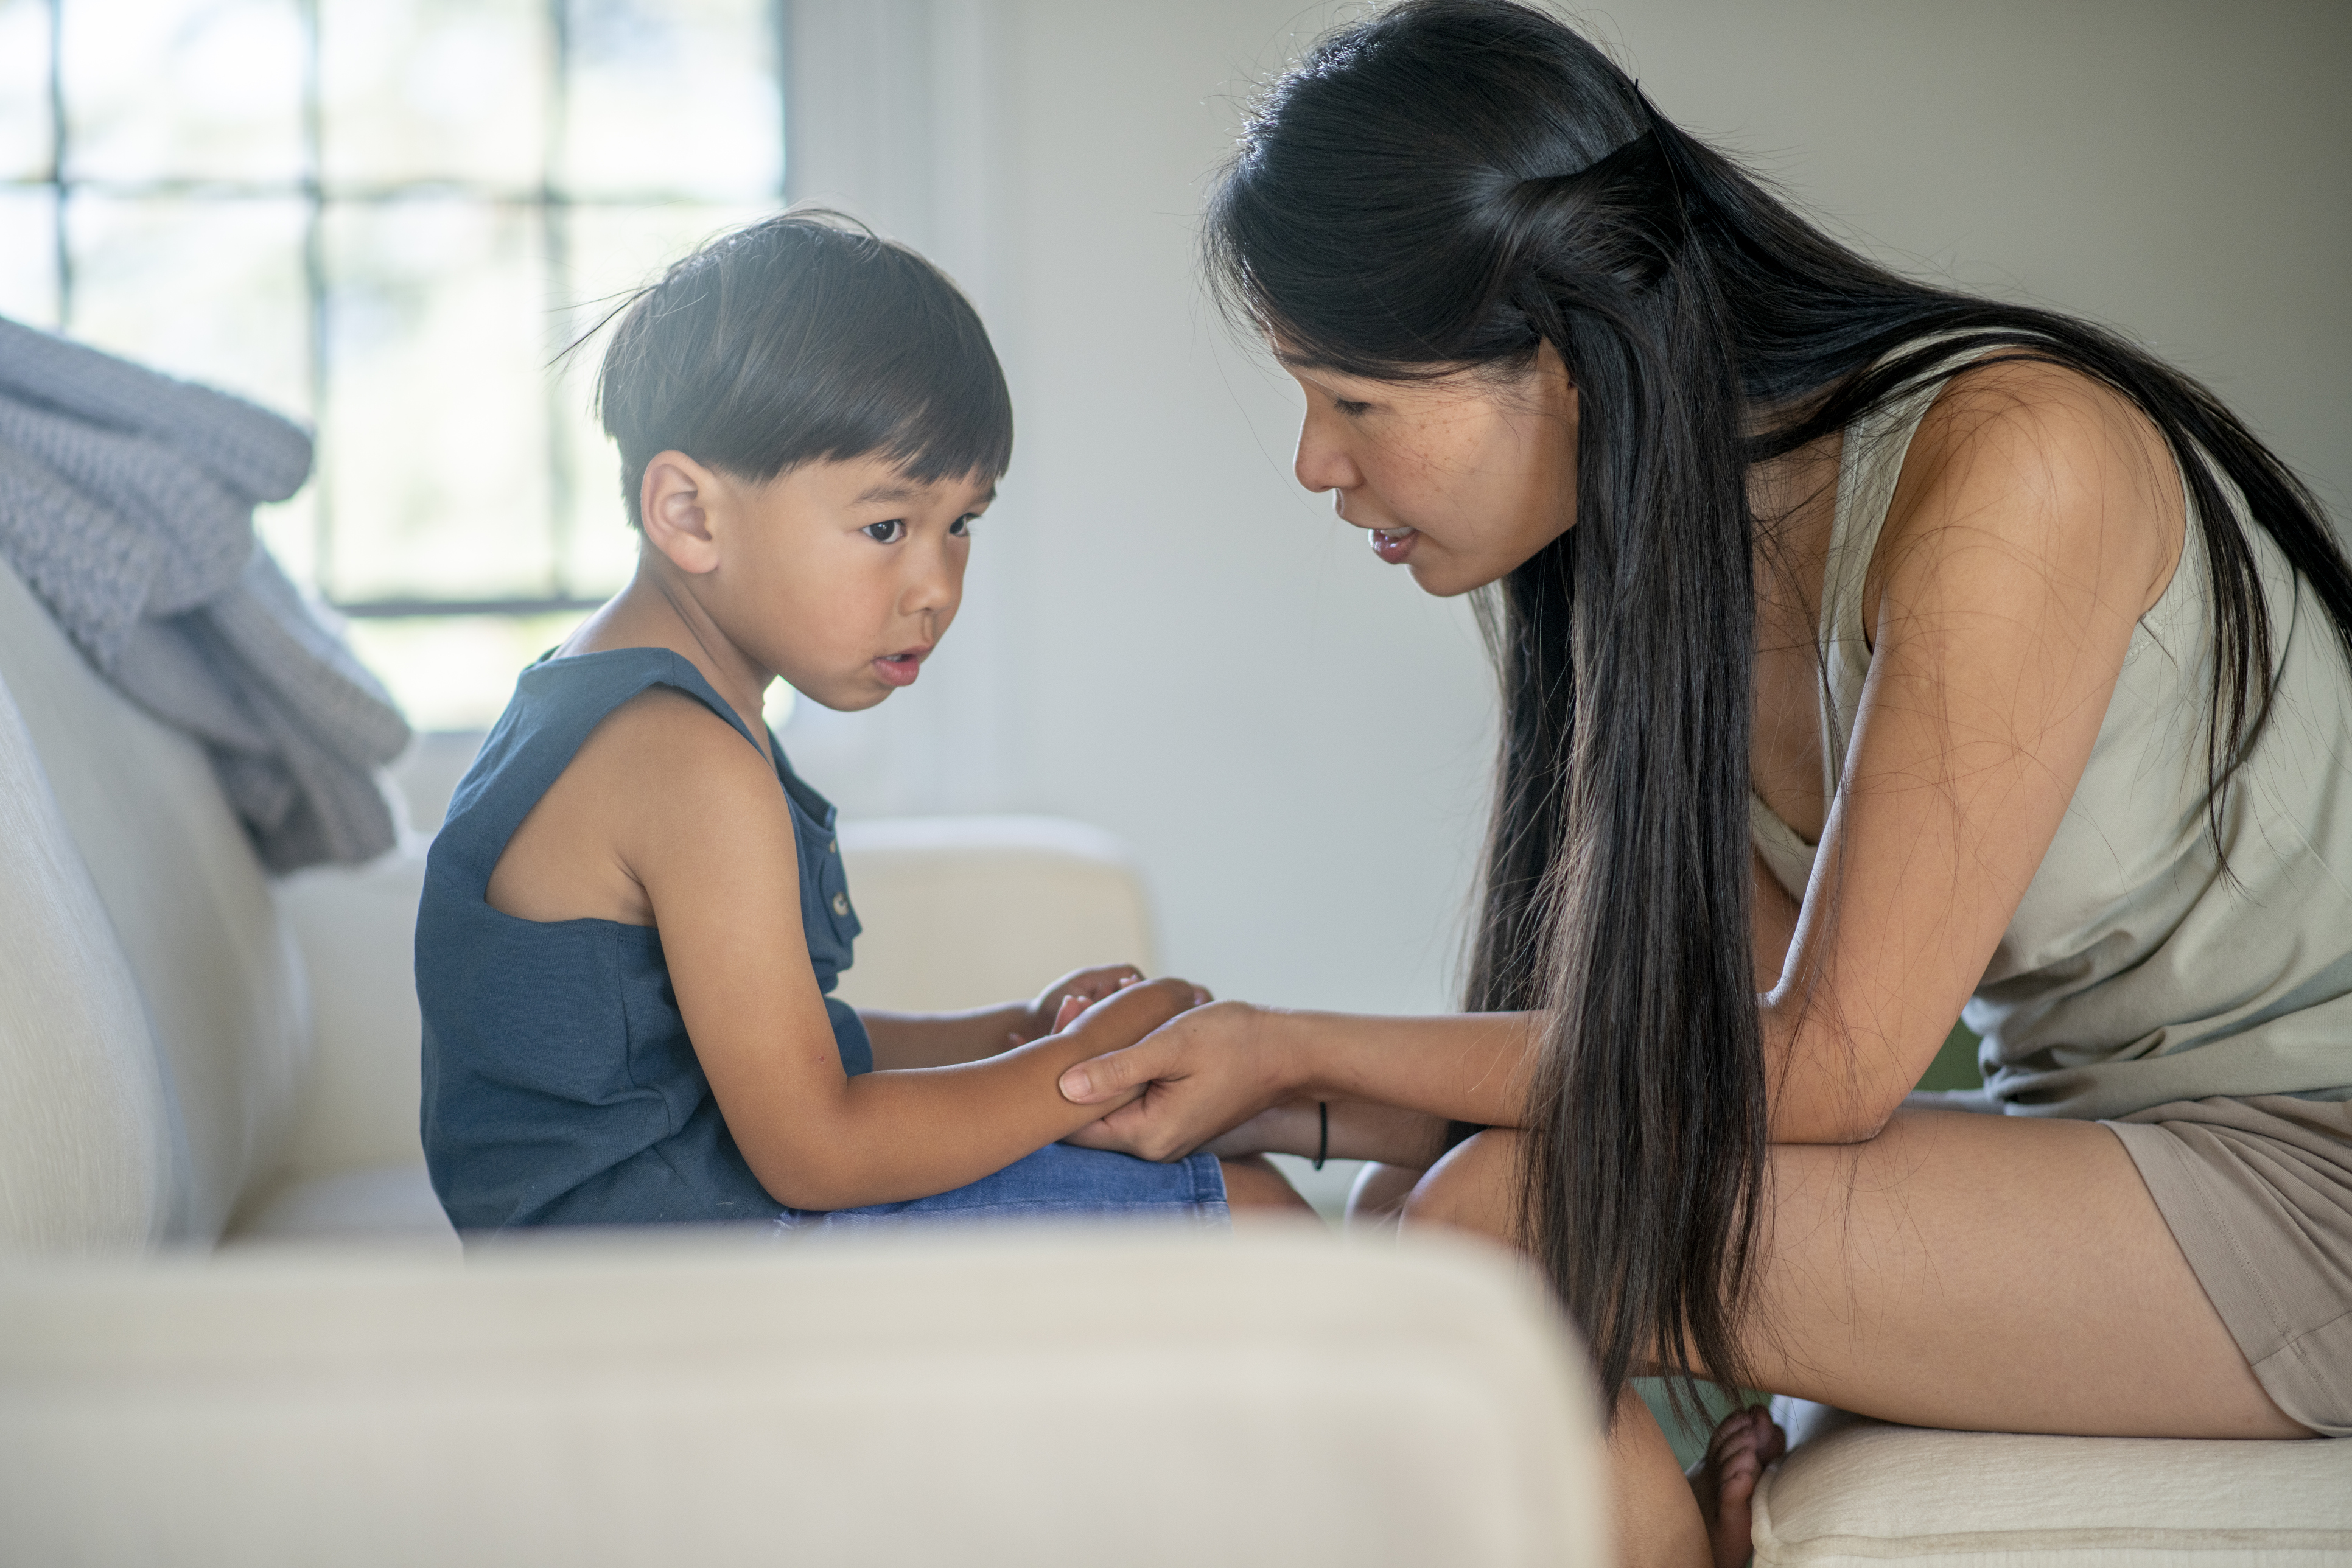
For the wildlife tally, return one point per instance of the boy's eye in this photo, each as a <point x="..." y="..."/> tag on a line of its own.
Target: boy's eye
<point x="961" y="527"/>
<point x="889" y="533"/>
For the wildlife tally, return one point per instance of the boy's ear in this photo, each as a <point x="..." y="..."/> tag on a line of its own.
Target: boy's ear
<point x="674" y="499"/>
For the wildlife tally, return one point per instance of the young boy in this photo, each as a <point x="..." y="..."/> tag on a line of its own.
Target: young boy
<point x="635" y="910"/>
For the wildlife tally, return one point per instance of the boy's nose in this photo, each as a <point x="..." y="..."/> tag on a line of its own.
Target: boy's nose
<point x="934" y="589"/>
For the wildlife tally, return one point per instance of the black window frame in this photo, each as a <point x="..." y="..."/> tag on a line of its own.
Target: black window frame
<point x="549" y="200"/>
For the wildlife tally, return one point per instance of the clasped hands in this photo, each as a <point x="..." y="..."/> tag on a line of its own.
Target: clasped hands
<point x="1177" y="1070"/>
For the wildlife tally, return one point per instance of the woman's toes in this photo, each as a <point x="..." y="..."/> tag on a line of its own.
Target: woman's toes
<point x="1725" y="1481"/>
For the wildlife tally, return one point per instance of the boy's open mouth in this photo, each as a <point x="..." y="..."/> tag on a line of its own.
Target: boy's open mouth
<point x="901" y="669"/>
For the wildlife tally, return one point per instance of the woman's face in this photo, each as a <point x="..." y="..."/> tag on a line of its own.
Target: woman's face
<point x="1459" y="479"/>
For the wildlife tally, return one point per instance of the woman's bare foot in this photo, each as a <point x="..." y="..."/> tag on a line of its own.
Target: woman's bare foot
<point x="1725" y="1481"/>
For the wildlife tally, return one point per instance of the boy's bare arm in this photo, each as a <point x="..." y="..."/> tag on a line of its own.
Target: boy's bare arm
<point x="904" y="1040"/>
<point x="943" y="1039"/>
<point x="703" y="828"/>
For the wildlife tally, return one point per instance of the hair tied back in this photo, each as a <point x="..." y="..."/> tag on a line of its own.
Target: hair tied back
<point x="1622" y="213"/>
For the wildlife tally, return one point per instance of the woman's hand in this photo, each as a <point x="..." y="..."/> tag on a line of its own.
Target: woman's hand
<point x="1203" y="1071"/>
<point x="1045" y="1014"/>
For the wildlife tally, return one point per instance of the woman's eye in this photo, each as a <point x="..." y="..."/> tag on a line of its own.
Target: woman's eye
<point x="889" y="533"/>
<point x="1350" y="409"/>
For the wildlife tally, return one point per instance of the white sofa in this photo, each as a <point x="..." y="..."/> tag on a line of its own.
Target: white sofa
<point x="235" y="1327"/>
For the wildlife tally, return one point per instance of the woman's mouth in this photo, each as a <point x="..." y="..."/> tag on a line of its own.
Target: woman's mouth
<point x="901" y="669"/>
<point x="1393" y="544"/>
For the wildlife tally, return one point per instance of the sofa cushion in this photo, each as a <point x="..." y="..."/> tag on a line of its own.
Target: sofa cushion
<point x="1865" y="1493"/>
<point x="189" y="904"/>
<point x="959" y="912"/>
<point x="372" y="1203"/>
<point x="356" y="928"/>
<point x="85" y="1132"/>
<point x="1090" y="1396"/>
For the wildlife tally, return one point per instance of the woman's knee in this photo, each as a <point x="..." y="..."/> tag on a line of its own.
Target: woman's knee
<point x="1376" y="1199"/>
<point x="1475" y="1187"/>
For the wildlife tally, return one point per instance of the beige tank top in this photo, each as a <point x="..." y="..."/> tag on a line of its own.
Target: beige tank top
<point x="2135" y="972"/>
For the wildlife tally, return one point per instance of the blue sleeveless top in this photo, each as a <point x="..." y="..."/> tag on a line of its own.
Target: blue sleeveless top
<point x="560" y="1086"/>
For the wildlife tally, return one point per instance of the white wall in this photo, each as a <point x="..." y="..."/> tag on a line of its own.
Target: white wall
<point x="1165" y="637"/>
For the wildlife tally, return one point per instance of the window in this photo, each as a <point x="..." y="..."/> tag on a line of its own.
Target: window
<point x="386" y="217"/>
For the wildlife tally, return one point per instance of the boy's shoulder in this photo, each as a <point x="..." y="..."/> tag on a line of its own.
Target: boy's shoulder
<point x="662" y="781"/>
<point x="674" y="742"/>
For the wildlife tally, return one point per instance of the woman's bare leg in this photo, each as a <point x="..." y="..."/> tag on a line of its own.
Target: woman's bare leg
<point x="1376" y="1201"/>
<point x="1980" y="1272"/>
<point x="1655" y="1520"/>
<point x="1254" y="1187"/>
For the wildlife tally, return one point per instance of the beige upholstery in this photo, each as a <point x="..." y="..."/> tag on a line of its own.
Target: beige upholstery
<point x="356" y="926"/>
<point x="1156" y="1397"/>
<point x="1855" y="1491"/>
<point x="86" y="1160"/>
<point x="354" y="1167"/>
<point x="1084" y="1397"/>
<point x="189" y="905"/>
<point x="961" y="911"/>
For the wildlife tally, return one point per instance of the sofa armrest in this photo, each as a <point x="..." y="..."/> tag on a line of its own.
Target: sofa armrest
<point x="1081" y="1396"/>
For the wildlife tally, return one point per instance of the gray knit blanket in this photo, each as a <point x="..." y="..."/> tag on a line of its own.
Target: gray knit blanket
<point x="126" y="503"/>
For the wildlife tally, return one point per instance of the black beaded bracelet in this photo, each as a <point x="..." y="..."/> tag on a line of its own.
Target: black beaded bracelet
<point x="1323" y="1141"/>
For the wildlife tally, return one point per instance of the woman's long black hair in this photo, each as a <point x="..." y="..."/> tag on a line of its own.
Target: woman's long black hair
<point x="1454" y="184"/>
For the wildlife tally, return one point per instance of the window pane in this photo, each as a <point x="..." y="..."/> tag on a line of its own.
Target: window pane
<point x="433" y="89"/>
<point x="209" y="289"/>
<point x="195" y="89"/>
<point x="610" y="252"/>
<point x="28" y="254"/>
<point x="454" y="672"/>
<point x="24" y="149"/>
<point x="673" y="96"/>
<point x="436" y="436"/>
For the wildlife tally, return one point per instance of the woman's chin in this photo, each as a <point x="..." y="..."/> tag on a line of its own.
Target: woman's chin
<point x="1441" y="578"/>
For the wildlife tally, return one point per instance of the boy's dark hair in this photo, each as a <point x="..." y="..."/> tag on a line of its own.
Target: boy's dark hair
<point x="803" y="338"/>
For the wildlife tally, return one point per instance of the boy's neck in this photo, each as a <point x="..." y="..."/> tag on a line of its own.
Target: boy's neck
<point x="659" y="609"/>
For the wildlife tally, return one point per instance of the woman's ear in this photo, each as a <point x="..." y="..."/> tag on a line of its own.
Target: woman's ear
<point x="674" y="499"/>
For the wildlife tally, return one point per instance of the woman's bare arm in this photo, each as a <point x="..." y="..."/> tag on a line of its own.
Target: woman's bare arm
<point x="1773" y="923"/>
<point x="1337" y="1130"/>
<point x="1217" y="1067"/>
<point x="2038" y="517"/>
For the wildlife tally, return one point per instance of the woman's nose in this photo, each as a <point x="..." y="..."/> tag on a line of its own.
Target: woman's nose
<point x="1323" y="463"/>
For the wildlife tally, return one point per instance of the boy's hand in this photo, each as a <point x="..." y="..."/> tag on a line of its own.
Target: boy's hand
<point x="1085" y="987"/>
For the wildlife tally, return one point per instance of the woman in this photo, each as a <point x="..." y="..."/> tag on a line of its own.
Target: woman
<point x="1866" y="650"/>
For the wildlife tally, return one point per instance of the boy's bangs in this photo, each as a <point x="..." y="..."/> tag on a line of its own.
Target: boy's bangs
<point x="935" y="406"/>
<point x="801" y="340"/>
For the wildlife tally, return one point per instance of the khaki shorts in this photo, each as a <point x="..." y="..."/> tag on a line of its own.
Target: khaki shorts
<point x="2258" y="1192"/>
